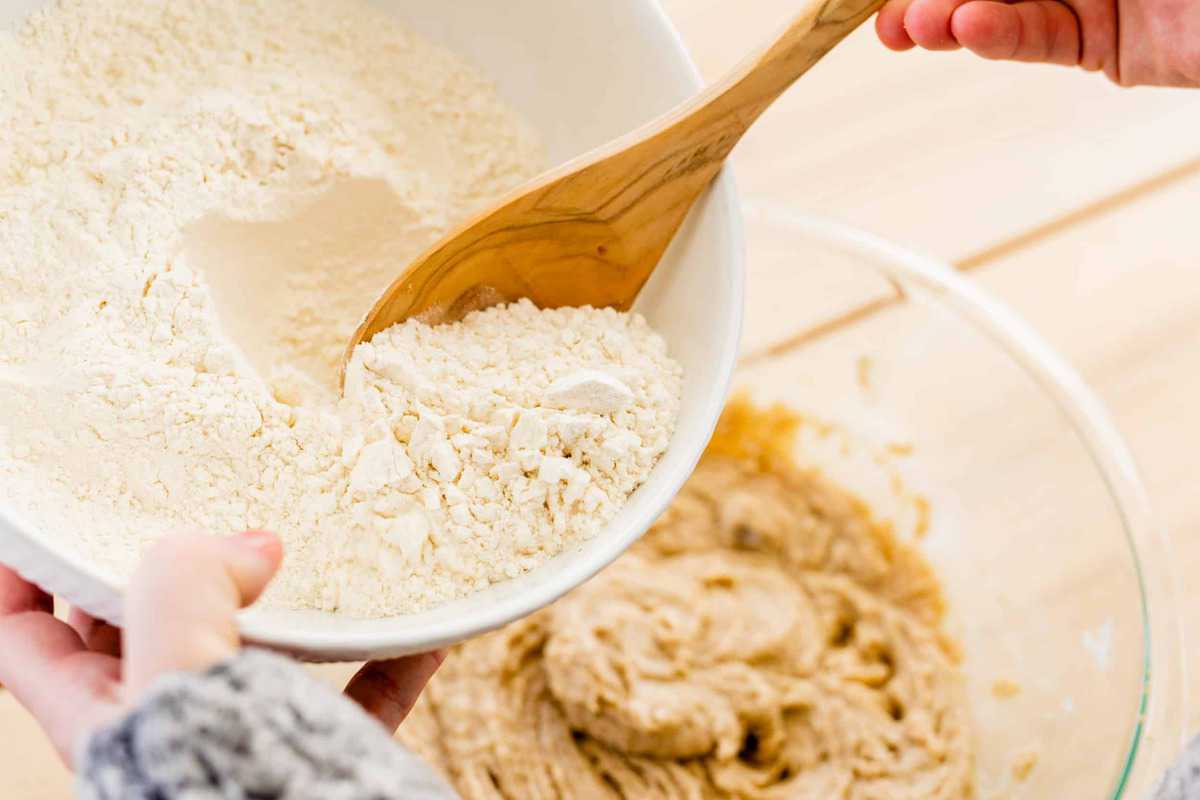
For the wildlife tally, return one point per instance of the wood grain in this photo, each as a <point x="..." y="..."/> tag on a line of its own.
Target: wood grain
<point x="592" y="231"/>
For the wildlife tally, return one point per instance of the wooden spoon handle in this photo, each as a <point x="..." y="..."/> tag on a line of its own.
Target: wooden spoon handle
<point x="760" y="79"/>
<point x="592" y="231"/>
<point x="725" y="111"/>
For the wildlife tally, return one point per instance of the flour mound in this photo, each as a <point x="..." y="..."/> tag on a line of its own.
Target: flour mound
<point x="489" y="476"/>
<point x="197" y="202"/>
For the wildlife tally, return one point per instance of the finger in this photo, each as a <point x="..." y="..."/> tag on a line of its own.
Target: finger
<point x="1034" y="30"/>
<point x="18" y="595"/>
<point x="928" y="23"/>
<point x="31" y="644"/>
<point x="388" y="690"/>
<point x="182" y="603"/>
<point x="46" y="666"/>
<point x="889" y="25"/>
<point x="98" y="635"/>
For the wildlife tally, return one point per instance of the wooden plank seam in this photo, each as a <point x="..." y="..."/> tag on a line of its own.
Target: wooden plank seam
<point x="982" y="258"/>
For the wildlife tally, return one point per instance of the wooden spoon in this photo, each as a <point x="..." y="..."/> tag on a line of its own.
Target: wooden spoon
<point x="592" y="231"/>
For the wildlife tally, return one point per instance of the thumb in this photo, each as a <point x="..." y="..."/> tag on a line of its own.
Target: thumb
<point x="183" y="601"/>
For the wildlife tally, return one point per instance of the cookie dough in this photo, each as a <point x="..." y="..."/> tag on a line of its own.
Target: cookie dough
<point x="767" y="639"/>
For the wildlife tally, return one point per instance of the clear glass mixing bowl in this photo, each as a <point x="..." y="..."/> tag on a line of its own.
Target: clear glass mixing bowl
<point x="949" y="413"/>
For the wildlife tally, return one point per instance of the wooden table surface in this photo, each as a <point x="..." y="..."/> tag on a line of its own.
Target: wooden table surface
<point x="1075" y="202"/>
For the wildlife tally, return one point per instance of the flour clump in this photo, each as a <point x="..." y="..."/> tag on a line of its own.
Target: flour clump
<point x="490" y="470"/>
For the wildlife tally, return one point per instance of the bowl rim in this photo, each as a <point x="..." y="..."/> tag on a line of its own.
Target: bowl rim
<point x="1163" y="690"/>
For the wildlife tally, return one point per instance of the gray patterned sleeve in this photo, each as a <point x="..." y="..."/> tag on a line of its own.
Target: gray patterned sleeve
<point x="1183" y="781"/>
<point x="254" y="728"/>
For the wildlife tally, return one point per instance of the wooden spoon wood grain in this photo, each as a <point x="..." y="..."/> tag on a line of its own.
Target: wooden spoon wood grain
<point x="592" y="231"/>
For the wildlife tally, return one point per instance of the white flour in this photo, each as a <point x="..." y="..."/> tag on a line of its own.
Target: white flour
<point x="530" y="426"/>
<point x="177" y="176"/>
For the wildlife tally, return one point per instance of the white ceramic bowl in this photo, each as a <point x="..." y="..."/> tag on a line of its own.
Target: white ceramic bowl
<point x="583" y="72"/>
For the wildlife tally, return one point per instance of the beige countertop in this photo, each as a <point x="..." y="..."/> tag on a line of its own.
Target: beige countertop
<point x="1073" y="201"/>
